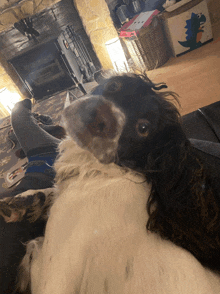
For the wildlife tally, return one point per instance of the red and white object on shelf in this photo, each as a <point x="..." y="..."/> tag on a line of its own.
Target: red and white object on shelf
<point x="141" y="20"/>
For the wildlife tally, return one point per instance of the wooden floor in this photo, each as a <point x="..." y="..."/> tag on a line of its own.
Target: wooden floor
<point x="195" y="76"/>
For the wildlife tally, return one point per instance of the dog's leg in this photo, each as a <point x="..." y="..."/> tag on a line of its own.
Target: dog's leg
<point x="24" y="272"/>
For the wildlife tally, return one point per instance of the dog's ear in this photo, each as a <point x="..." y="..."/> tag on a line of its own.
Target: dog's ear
<point x="171" y="135"/>
<point x="163" y="163"/>
<point x="167" y="173"/>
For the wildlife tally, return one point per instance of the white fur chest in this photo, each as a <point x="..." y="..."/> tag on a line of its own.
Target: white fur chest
<point x="98" y="208"/>
<point x="96" y="240"/>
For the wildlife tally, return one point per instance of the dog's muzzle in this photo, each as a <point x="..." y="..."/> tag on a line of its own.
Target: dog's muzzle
<point x="96" y="125"/>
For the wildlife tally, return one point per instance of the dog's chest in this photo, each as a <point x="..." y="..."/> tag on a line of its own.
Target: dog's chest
<point x="91" y="220"/>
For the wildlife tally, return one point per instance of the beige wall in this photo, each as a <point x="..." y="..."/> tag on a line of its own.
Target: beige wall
<point x="98" y="24"/>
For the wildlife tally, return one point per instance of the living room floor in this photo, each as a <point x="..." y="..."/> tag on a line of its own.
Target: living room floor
<point x="195" y="76"/>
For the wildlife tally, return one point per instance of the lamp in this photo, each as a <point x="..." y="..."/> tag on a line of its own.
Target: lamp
<point x="8" y="99"/>
<point x="117" y="55"/>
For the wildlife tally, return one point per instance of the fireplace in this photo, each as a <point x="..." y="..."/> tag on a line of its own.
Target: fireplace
<point x="46" y="64"/>
<point x="48" y="68"/>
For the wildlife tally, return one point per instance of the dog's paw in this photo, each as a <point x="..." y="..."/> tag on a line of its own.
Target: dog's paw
<point x="31" y="205"/>
<point x="11" y="214"/>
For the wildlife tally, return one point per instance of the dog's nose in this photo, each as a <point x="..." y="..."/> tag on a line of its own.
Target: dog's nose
<point x="95" y="123"/>
<point x="98" y="117"/>
<point x="94" y="116"/>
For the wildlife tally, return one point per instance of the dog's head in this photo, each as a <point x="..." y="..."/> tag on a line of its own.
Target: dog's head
<point x="123" y="119"/>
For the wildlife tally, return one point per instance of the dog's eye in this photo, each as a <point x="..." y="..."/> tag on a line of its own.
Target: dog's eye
<point x="142" y="127"/>
<point x="113" y="86"/>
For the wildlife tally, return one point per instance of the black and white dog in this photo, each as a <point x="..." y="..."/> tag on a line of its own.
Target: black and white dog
<point x="127" y="164"/>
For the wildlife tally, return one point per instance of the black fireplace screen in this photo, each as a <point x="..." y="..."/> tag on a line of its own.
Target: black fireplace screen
<point x="44" y="70"/>
<point x="55" y="66"/>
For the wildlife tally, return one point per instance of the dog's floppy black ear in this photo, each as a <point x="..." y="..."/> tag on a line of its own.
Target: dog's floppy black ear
<point x="169" y="149"/>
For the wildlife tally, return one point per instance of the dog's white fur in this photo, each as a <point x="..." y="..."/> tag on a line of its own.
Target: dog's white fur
<point x="96" y="240"/>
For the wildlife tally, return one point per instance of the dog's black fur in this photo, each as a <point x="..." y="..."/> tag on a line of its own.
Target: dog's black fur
<point x="184" y="201"/>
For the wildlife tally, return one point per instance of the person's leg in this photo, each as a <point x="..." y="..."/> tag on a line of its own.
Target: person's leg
<point x="32" y="138"/>
<point x="40" y="148"/>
